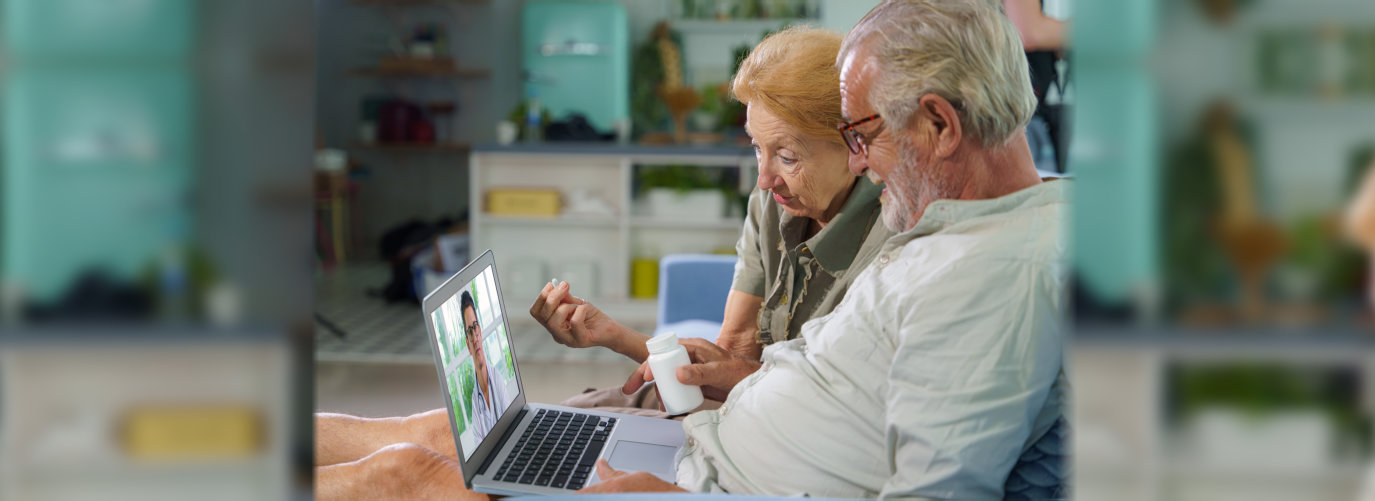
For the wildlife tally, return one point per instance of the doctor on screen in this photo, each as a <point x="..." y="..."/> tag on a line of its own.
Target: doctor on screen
<point x="490" y="395"/>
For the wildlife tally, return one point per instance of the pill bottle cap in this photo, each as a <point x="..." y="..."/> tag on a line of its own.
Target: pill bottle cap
<point x="662" y="343"/>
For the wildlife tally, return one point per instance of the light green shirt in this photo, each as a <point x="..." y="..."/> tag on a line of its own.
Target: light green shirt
<point x="798" y="279"/>
<point x="939" y="370"/>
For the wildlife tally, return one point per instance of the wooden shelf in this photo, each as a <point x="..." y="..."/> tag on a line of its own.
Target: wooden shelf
<point x="410" y="147"/>
<point x="559" y="220"/>
<point x="679" y="224"/>
<point x="733" y="26"/>
<point x="422" y="72"/>
<point x="415" y="3"/>
<point x="612" y="243"/>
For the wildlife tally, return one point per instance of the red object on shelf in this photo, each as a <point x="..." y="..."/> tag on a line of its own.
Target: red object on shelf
<point x="394" y="119"/>
<point x="422" y="131"/>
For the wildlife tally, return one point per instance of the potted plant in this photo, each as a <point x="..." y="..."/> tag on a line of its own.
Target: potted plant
<point x="682" y="192"/>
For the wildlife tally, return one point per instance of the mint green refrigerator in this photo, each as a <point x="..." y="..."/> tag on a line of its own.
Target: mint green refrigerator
<point x="577" y="59"/>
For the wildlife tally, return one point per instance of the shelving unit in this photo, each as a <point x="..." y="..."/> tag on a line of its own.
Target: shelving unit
<point x="414" y="3"/>
<point x="525" y="244"/>
<point x="410" y="147"/>
<point x="1125" y="447"/>
<point x="731" y="26"/>
<point x="423" y="72"/>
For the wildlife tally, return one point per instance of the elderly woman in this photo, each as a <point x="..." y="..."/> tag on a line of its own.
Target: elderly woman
<point x="811" y="225"/>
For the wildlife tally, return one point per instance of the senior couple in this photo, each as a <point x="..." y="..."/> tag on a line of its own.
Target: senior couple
<point x="894" y="328"/>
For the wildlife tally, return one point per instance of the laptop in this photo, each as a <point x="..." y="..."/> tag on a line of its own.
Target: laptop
<point x="506" y="445"/>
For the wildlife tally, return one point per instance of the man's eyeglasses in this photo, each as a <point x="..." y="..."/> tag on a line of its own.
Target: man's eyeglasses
<point x="853" y="139"/>
<point x="473" y="327"/>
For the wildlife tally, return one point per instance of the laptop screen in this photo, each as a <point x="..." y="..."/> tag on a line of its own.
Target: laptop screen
<point x="475" y="352"/>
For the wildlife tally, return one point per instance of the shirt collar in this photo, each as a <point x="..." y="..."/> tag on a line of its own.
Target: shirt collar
<point x="481" y="399"/>
<point x="943" y="213"/>
<point x="837" y="243"/>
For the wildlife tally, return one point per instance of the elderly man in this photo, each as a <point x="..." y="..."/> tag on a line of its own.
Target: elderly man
<point x="939" y="374"/>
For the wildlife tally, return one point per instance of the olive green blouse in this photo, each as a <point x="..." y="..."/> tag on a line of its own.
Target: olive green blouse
<point x="803" y="279"/>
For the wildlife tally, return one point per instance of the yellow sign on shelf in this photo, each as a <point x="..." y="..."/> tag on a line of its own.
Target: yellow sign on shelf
<point x="175" y="432"/>
<point x="523" y="202"/>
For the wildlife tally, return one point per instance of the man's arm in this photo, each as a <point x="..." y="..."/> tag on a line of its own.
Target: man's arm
<point x="1038" y="31"/>
<point x="974" y="364"/>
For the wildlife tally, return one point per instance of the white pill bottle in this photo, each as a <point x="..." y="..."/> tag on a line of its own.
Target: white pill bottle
<point x="665" y="357"/>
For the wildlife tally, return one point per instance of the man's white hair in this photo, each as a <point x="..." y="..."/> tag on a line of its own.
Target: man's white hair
<point x="965" y="51"/>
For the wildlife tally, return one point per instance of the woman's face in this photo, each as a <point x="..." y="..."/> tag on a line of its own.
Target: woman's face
<point x="808" y="176"/>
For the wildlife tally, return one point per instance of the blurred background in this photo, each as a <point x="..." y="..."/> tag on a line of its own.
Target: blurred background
<point x="155" y="249"/>
<point x="217" y="217"/>
<point x="1223" y="346"/>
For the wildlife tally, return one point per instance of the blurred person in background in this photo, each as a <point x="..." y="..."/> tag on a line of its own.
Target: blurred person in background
<point x="1044" y="31"/>
<point x="1360" y="227"/>
<point x="944" y="361"/>
<point x="1360" y="224"/>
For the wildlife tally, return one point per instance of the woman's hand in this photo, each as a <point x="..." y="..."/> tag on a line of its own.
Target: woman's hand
<point x="613" y="480"/>
<point x="572" y="321"/>
<point x="713" y="368"/>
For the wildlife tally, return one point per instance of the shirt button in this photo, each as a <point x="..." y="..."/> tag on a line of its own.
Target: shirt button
<point x="691" y="442"/>
<point x="883" y="259"/>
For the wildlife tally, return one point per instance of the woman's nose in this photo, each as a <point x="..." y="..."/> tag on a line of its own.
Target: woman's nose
<point x="767" y="178"/>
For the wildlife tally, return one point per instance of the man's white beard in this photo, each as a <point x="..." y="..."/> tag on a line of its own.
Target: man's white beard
<point x="911" y="187"/>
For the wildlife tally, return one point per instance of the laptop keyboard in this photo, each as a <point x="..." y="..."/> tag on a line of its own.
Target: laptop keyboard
<point x="558" y="449"/>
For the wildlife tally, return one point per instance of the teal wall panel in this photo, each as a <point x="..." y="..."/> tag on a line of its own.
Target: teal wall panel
<point x="140" y="28"/>
<point x="97" y="171"/>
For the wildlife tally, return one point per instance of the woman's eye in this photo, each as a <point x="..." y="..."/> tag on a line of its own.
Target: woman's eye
<point x="788" y="161"/>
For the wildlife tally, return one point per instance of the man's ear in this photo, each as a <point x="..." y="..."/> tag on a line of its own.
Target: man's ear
<point x="941" y="125"/>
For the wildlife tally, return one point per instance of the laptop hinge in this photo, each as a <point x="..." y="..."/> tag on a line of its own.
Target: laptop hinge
<point x="509" y="429"/>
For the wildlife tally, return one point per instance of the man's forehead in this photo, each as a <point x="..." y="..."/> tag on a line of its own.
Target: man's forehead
<point x="855" y="71"/>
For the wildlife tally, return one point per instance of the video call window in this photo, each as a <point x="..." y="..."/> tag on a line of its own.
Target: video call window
<point x="479" y="390"/>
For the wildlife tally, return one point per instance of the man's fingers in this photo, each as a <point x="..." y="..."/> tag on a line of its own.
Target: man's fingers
<point x="703" y="351"/>
<point x="605" y="471"/>
<point x="636" y="380"/>
<point x="699" y="374"/>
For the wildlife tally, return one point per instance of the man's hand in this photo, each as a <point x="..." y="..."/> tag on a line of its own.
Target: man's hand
<point x="572" y="321"/>
<point x="713" y="368"/>
<point x="613" y="480"/>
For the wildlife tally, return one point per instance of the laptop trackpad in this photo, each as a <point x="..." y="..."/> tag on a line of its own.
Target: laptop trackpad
<point x="638" y="456"/>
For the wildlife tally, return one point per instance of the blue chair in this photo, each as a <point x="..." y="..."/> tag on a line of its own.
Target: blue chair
<point x="692" y="294"/>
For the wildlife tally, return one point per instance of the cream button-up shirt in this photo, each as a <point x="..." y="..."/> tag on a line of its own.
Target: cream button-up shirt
<point x="939" y="371"/>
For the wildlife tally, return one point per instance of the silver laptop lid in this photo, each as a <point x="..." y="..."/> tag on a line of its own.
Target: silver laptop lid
<point x="466" y="321"/>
